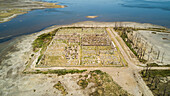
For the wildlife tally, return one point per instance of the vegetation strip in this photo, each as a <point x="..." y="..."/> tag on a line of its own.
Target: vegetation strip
<point x="122" y="32"/>
<point x="43" y="41"/>
<point x="58" y="72"/>
<point x="157" y="81"/>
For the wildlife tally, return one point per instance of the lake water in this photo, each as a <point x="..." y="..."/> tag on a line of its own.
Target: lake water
<point x="144" y="11"/>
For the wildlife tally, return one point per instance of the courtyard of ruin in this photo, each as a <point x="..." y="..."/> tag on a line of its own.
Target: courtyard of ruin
<point x="81" y="47"/>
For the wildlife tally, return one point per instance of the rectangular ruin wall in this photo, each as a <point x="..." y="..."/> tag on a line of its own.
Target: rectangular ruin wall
<point x="80" y="47"/>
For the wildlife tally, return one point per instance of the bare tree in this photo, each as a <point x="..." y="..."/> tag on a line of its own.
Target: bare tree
<point x="146" y="71"/>
<point x="157" y="81"/>
<point x="138" y="51"/>
<point x="165" y="88"/>
<point x="134" y="27"/>
<point x="134" y="40"/>
<point x="143" y="54"/>
<point x="140" y="54"/>
<point x="151" y="49"/>
<point x="116" y="25"/>
<point x="120" y="24"/>
<point x="153" y="78"/>
<point x="150" y="53"/>
<point x="149" y="74"/>
<point x="162" y="57"/>
<point x="144" y="50"/>
<point x="158" y="54"/>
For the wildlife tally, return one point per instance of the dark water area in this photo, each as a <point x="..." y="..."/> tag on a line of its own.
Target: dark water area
<point x="143" y="11"/>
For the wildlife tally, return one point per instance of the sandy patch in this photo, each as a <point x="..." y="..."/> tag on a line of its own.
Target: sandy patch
<point x="91" y="17"/>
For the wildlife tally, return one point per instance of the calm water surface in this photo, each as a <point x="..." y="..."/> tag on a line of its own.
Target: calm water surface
<point x="144" y="11"/>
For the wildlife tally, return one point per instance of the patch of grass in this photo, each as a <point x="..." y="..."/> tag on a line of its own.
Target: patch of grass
<point x="86" y="76"/>
<point x="105" y="86"/>
<point x="11" y="12"/>
<point x="151" y="29"/>
<point x="156" y="65"/>
<point x="161" y="73"/>
<point x="52" y="5"/>
<point x="60" y="88"/>
<point x="43" y="41"/>
<point x="39" y="58"/>
<point x="83" y="83"/>
<point x="130" y="47"/>
<point x="157" y="81"/>
<point x="153" y="32"/>
<point x="98" y="92"/>
<point x="165" y="38"/>
<point x="32" y="55"/>
<point x="98" y="72"/>
<point x="1" y="19"/>
<point x="58" y="72"/>
<point x="143" y="60"/>
<point x="128" y="42"/>
<point x="124" y="36"/>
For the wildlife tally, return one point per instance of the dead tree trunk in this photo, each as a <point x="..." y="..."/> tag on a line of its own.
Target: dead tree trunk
<point x="165" y="88"/>
<point x="162" y="57"/>
<point x="158" y="54"/>
<point x="150" y="53"/>
<point x="149" y="73"/>
<point x="143" y="53"/>
<point x="144" y="50"/>
<point x="136" y="42"/>
<point x="138" y="52"/>
<point x="153" y="80"/>
<point x="116" y="26"/>
<point x="146" y="71"/>
<point x="157" y="81"/>
<point x="149" y="76"/>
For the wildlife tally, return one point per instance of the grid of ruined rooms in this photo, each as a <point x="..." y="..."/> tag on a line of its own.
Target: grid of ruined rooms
<point x="80" y="47"/>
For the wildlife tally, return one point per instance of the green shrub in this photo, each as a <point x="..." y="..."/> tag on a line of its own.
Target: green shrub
<point x="128" y="43"/>
<point x="82" y="83"/>
<point x="58" y="72"/>
<point x="43" y="40"/>
<point x="96" y="71"/>
<point x="160" y="73"/>
<point x="61" y="88"/>
<point x="39" y="58"/>
<point x="156" y="65"/>
<point x="143" y="60"/>
<point x="32" y="55"/>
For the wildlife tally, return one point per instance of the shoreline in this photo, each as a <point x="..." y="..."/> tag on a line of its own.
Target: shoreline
<point x="40" y="4"/>
<point x="11" y="43"/>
